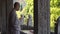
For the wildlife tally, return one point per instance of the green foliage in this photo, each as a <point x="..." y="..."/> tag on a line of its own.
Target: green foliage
<point x="54" y="12"/>
<point x="54" y="3"/>
<point x="28" y="10"/>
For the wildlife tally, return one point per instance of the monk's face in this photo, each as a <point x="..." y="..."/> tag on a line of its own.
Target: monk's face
<point x="17" y="7"/>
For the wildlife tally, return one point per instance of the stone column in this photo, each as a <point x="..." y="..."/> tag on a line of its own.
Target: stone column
<point x="43" y="17"/>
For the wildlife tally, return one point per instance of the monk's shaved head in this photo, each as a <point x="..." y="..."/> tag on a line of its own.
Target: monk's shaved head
<point x="16" y="5"/>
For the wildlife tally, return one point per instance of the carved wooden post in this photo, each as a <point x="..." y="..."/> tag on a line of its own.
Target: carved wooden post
<point x="43" y="17"/>
<point x="22" y="19"/>
<point x="29" y="22"/>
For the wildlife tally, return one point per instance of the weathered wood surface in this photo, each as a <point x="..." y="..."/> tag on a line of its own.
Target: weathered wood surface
<point x="43" y="17"/>
<point x="0" y="15"/>
<point x="3" y="16"/>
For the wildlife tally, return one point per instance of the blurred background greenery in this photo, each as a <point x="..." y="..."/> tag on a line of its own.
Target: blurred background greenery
<point x="28" y="9"/>
<point x="54" y="13"/>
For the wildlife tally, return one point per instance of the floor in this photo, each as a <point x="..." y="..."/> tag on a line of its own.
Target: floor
<point x="28" y="31"/>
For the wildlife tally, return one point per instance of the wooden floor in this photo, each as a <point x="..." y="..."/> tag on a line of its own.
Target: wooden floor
<point x="27" y="31"/>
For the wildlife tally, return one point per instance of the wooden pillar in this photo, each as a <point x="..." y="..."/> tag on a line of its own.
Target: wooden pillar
<point x="0" y="16"/>
<point x="9" y="8"/>
<point x="5" y="7"/>
<point x="35" y="16"/>
<point x="3" y="16"/>
<point x="43" y="17"/>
